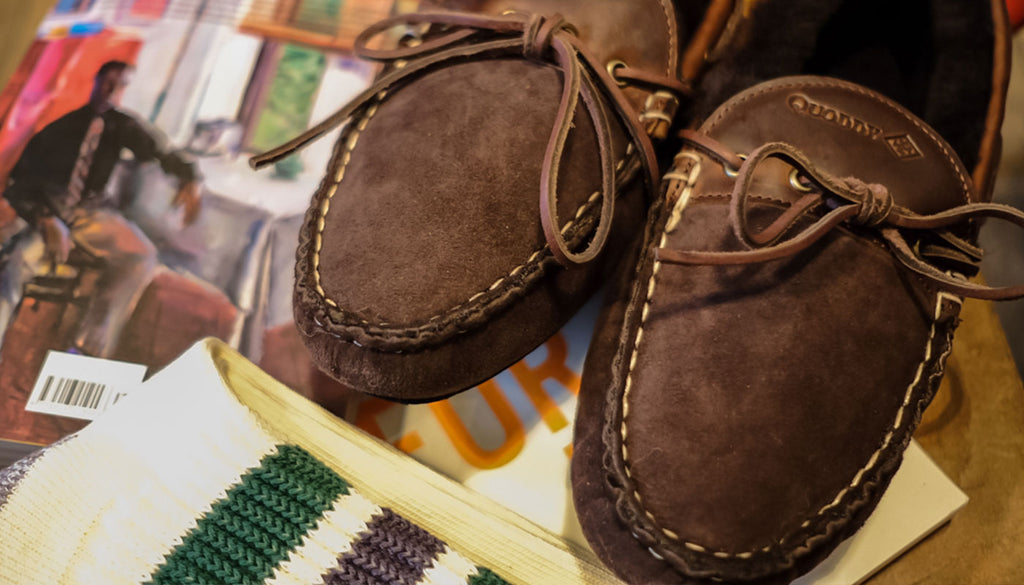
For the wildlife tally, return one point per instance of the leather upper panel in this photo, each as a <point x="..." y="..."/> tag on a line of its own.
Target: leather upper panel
<point x="848" y="131"/>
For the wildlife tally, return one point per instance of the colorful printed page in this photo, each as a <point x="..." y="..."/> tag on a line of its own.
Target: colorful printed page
<point x="509" y="438"/>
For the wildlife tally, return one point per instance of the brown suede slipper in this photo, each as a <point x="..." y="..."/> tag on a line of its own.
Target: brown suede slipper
<point x="426" y="264"/>
<point x="753" y="384"/>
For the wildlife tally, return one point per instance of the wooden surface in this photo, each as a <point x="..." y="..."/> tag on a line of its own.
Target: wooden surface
<point x="974" y="430"/>
<point x="19" y="20"/>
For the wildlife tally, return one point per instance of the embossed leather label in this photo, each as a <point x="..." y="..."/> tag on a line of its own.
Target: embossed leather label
<point x="902" y="145"/>
<point x="805" y="106"/>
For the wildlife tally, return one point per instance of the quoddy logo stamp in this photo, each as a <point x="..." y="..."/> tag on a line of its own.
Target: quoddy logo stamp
<point x="902" y="146"/>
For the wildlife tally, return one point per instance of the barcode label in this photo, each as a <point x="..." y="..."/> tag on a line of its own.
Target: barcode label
<point x="80" y="386"/>
<point x="73" y="392"/>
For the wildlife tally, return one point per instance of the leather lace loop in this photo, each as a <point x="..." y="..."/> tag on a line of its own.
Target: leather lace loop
<point x="846" y="200"/>
<point x="540" y="32"/>
<point x="540" y="38"/>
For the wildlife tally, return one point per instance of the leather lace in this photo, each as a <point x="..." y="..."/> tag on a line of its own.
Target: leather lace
<point x="850" y="201"/>
<point x="539" y="38"/>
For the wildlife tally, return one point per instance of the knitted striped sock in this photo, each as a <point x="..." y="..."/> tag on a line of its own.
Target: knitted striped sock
<point x="191" y="481"/>
<point x="291" y="520"/>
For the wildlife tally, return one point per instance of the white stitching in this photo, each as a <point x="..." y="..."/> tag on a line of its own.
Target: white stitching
<point x="325" y="206"/>
<point x="534" y="256"/>
<point x="860" y="474"/>
<point x="687" y="183"/>
<point x="677" y="210"/>
<point x="942" y="295"/>
<point x="671" y="38"/>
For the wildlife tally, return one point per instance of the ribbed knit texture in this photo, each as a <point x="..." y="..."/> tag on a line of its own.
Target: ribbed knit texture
<point x="486" y="577"/>
<point x="253" y="529"/>
<point x="284" y="519"/>
<point x="12" y="474"/>
<point x="393" y="550"/>
<point x="183" y="483"/>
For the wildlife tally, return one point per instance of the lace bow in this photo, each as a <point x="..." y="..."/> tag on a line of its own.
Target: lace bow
<point x="850" y="201"/>
<point x="539" y="38"/>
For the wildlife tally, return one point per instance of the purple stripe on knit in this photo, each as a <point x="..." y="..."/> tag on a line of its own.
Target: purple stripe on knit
<point x="392" y="551"/>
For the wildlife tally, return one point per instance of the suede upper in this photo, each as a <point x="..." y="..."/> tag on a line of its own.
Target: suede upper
<point x="754" y="414"/>
<point x="416" y="238"/>
<point x="424" y="242"/>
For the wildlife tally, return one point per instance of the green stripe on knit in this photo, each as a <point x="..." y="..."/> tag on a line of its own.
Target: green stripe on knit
<point x="485" y="576"/>
<point x="261" y="519"/>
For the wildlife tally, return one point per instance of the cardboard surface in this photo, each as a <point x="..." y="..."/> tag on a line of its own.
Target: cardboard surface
<point x="919" y="499"/>
<point x="974" y="431"/>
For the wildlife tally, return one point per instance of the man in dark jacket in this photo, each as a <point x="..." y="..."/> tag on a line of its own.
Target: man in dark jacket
<point x="57" y="186"/>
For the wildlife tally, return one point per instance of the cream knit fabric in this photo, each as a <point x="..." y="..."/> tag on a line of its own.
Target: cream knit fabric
<point x="184" y="482"/>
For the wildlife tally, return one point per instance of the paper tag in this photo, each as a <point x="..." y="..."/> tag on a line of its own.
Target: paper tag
<point x="82" y="387"/>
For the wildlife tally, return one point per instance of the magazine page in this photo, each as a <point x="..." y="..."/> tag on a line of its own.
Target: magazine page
<point x="131" y="224"/>
<point x="510" y="437"/>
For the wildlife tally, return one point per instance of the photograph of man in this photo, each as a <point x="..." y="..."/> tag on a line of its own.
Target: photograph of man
<point x="58" y="185"/>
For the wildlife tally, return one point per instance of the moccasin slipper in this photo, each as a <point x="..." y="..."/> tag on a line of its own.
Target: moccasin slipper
<point x="761" y="373"/>
<point x="743" y="378"/>
<point x="426" y="264"/>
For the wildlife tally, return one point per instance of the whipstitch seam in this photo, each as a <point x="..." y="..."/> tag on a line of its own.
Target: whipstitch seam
<point x="673" y="58"/>
<point x="568" y="225"/>
<point x="669" y="227"/>
<point x="325" y="206"/>
<point x="673" y="220"/>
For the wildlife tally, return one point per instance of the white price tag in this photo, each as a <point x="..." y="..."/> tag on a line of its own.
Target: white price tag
<point x="82" y="387"/>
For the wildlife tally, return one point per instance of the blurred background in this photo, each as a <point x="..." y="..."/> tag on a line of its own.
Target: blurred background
<point x="1004" y="248"/>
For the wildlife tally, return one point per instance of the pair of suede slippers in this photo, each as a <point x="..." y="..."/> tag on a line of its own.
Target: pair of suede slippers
<point x="781" y="198"/>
